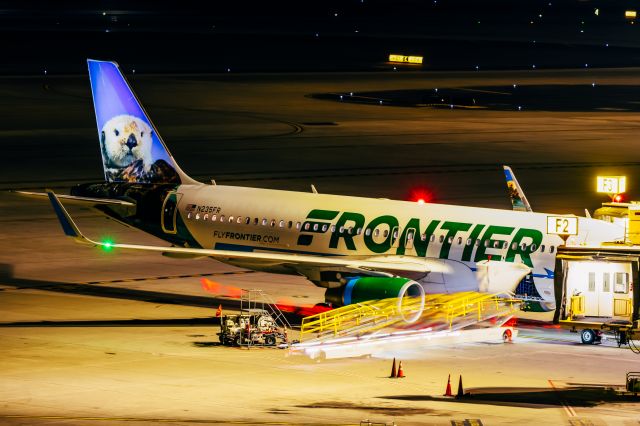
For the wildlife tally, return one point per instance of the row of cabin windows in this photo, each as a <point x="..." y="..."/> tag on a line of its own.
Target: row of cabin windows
<point x="358" y="231"/>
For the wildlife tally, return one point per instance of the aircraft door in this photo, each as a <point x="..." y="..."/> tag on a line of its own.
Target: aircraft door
<point x="169" y="212"/>
<point x="591" y="296"/>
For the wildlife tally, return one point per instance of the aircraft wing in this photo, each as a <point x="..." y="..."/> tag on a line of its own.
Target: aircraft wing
<point x="393" y="264"/>
<point x="78" y="200"/>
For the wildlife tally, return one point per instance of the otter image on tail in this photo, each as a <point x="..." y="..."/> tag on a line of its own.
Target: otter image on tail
<point x="126" y="139"/>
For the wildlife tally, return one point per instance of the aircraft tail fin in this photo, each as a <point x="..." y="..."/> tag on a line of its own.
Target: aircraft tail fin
<point x="131" y="147"/>
<point x="519" y="201"/>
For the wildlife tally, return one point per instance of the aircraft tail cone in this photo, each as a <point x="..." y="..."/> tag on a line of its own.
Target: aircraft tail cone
<point x="400" y="372"/>
<point x="448" y="391"/>
<point x="393" y="370"/>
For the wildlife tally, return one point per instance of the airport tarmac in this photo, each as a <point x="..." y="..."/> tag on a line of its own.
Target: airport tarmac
<point x="126" y="338"/>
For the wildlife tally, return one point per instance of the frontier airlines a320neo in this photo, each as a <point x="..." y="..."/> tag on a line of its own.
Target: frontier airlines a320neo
<point x="357" y="248"/>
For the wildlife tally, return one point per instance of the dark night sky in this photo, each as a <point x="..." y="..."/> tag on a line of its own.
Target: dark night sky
<point x="268" y="36"/>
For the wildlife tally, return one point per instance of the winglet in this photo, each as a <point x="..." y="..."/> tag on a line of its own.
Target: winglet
<point x="68" y="226"/>
<point x="518" y="200"/>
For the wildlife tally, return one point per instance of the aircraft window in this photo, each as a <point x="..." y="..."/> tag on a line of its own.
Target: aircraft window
<point x="487" y="242"/>
<point x="350" y="230"/>
<point x="298" y="225"/>
<point x="410" y="236"/>
<point x="441" y="239"/>
<point x="450" y="240"/>
<point x="514" y="246"/>
<point x="264" y="221"/>
<point x="523" y="246"/>
<point x="307" y="226"/>
<point x="533" y="247"/>
<point x="505" y="244"/>
<point x="367" y="232"/>
<point x="239" y="220"/>
<point x="189" y="215"/>
<point x="197" y="216"/>
<point x="542" y="248"/>
<point x="477" y="244"/>
<point x="459" y="240"/>
<point x="342" y="229"/>
<point x="206" y="216"/>
<point x="385" y="233"/>
<point x="496" y="244"/>
<point x="333" y="228"/>
<point x="432" y="238"/>
<point x="469" y="241"/>
<point x="315" y="226"/>
<point x="273" y="223"/>
<point x="222" y="218"/>
<point x="376" y="232"/>
<point x="423" y="236"/>
<point x="247" y="221"/>
<point x="395" y="234"/>
<point x="214" y="217"/>
<point x="551" y="248"/>
<point x="230" y="219"/>
<point x="281" y="224"/>
<point x="256" y="221"/>
<point x="290" y="224"/>
<point x="325" y="227"/>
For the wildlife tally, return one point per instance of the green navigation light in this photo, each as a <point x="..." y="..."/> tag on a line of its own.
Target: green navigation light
<point x="107" y="245"/>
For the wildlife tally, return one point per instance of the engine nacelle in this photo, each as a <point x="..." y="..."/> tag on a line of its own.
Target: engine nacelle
<point x="363" y="289"/>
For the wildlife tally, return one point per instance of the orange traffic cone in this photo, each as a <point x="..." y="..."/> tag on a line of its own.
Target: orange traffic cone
<point x="400" y="372"/>
<point x="448" y="391"/>
<point x="460" y="389"/>
<point x="393" y="370"/>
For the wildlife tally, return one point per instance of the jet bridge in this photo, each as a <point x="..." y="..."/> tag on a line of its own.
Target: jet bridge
<point x="380" y="326"/>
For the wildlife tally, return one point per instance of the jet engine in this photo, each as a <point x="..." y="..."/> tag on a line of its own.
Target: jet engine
<point x="362" y="289"/>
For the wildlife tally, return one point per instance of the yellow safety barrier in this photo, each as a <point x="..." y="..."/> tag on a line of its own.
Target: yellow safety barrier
<point x="622" y="307"/>
<point x="373" y="315"/>
<point x="577" y="306"/>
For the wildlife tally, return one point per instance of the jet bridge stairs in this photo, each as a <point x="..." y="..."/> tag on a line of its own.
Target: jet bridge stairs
<point x="382" y="326"/>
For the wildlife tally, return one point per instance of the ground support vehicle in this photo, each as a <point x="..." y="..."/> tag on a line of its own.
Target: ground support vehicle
<point x="597" y="290"/>
<point x="251" y="327"/>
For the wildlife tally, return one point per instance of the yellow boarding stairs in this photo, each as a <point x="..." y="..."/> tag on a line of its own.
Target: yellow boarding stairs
<point x="441" y="312"/>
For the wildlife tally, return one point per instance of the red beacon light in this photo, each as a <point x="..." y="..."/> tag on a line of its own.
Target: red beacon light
<point x="619" y="198"/>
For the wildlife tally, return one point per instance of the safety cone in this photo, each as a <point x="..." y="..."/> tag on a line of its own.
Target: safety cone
<point x="400" y="372"/>
<point x="393" y="370"/>
<point x="448" y="391"/>
<point x="460" y="389"/>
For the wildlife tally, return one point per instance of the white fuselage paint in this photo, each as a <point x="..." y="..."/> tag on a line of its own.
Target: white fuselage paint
<point x="281" y="207"/>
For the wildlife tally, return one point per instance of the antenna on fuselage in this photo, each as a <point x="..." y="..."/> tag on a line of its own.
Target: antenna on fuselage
<point x="313" y="189"/>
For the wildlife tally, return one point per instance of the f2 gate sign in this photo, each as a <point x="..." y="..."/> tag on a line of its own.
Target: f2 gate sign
<point x="562" y="225"/>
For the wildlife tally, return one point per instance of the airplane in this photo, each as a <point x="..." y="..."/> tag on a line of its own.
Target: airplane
<point x="357" y="248"/>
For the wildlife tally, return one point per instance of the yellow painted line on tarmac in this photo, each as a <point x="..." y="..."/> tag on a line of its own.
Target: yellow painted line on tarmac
<point x="164" y="420"/>
<point x="169" y="277"/>
<point x="567" y="408"/>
